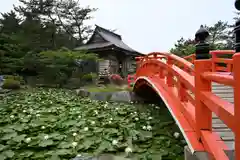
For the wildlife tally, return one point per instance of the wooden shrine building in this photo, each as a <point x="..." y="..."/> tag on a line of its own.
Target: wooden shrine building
<point x="117" y="57"/>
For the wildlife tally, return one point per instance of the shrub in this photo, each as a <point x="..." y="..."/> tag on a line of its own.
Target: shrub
<point x="11" y="84"/>
<point x="89" y="77"/>
<point x="15" y="77"/>
<point x="116" y="79"/>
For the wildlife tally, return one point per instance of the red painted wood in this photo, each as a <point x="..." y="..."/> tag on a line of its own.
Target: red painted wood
<point x="173" y="78"/>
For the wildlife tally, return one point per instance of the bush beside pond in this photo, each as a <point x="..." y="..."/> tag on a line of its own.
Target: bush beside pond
<point x="11" y="84"/>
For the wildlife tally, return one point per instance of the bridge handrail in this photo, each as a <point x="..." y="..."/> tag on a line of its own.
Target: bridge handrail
<point x="191" y="58"/>
<point x="219" y="78"/>
<point x="216" y="60"/>
<point x="207" y="102"/>
<point x="181" y="62"/>
<point x="204" y="102"/>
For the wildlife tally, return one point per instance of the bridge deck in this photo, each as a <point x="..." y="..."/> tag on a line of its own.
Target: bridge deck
<point x="226" y="93"/>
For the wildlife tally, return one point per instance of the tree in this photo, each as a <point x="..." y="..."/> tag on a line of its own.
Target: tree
<point x="10" y="23"/>
<point x="55" y="66"/>
<point x="30" y="45"/>
<point x="219" y="39"/>
<point x="231" y="37"/>
<point x="62" y="16"/>
<point x="218" y="35"/>
<point x="72" y="17"/>
<point x="183" y="47"/>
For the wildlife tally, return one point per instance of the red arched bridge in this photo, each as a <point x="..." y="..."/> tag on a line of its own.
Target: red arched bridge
<point x="203" y="97"/>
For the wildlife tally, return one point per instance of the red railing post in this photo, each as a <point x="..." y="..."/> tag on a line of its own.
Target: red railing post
<point x="203" y="114"/>
<point x="170" y="80"/>
<point x="229" y="67"/>
<point x="214" y="56"/>
<point x="182" y="92"/>
<point x="236" y="74"/>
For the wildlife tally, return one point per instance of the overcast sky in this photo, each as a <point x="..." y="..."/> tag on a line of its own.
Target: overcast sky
<point x="154" y="25"/>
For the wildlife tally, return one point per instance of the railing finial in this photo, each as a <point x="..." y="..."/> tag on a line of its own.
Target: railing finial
<point x="237" y="29"/>
<point x="237" y="4"/>
<point x="202" y="48"/>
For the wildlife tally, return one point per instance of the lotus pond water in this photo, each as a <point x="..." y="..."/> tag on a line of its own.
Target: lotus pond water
<point x="49" y="124"/>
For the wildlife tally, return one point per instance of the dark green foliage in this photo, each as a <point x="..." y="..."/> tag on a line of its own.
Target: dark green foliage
<point x="89" y="77"/>
<point x="15" y="77"/>
<point x="11" y="84"/>
<point x="221" y="38"/>
<point x="46" y="123"/>
<point x="183" y="47"/>
<point x="56" y="67"/>
<point x="38" y="43"/>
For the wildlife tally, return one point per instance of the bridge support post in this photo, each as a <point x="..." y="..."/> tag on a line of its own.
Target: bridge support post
<point x="202" y="113"/>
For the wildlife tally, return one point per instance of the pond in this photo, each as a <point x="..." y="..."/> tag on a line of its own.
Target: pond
<point x="56" y="124"/>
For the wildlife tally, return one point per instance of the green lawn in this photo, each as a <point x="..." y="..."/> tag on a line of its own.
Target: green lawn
<point x="107" y="88"/>
<point x="55" y="124"/>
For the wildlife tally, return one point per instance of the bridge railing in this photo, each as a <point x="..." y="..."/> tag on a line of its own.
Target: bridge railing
<point x="222" y="60"/>
<point x="167" y="58"/>
<point x="191" y="58"/>
<point x="177" y="73"/>
<point x="207" y="102"/>
<point x="193" y="87"/>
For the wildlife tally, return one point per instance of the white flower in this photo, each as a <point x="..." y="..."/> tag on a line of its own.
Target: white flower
<point x="116" y="108"/>
<point x="144" y="127"/>
<point x="149" y="118"/>
<point x="157" y="107"/>
<point x="114" y="142"/>
<point x="43" y="127"/>
<point x="105" y="106"/>
<point x="183" y="141"/>
<point x="79" y="155"/>
<point x="12" y="116"/>
<point x="111" y="119"/>
<point x="74" y="134"/>
<point x="176" y="135"/>
<point x="109" y="122"/>
<point x="74" y="144"/>
<point x="24" y="111"/>
<point x="79" y="116"/>
<point x="93" y="122"/>
<point x="46" y="137"/>
<point x="135" y="112"/>
<point x="85" y="129"/>
<point x="38" y="115"/>
<point x="136" y="119"/>
<point x="96" y="112"/>
<point x="128" y="150"/>
<point x="28" y="140"/>
<point x="149" y="128"/>
<point x="131" y="102"/>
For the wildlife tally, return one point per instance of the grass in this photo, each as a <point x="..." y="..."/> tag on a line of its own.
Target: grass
<point x="107" y="88"/>
<point x="47" y="124"/>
